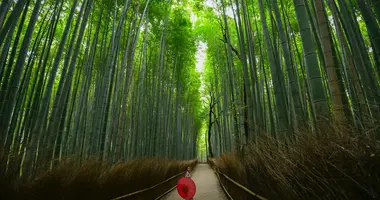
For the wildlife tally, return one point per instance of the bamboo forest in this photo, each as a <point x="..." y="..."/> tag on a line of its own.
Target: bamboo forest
<point x="280" y="96"/>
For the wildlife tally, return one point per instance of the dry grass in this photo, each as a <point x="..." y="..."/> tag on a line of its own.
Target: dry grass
<point x="230" y="165"/>
<point x="96" y="180"/>
<point x="333" y="167"/>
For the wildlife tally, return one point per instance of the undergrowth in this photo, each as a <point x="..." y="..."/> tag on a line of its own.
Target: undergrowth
<point x="338" y="166"/>
<point x="95" y="180"/>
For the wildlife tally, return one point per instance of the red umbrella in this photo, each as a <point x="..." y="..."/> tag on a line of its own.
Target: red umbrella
<point x="186" y="188"/>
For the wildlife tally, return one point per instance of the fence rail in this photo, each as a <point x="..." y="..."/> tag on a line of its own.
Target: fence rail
<point x="224" y="188"/>
<point x="216" y="170"/>
<point x="149" y="188"/>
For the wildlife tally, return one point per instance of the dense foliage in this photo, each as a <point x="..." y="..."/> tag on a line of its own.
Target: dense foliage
<point x="281" y="67"/>
<point x="118" y="79"/>
<point x="115" y="79"/>
<point x="293" y="86"/>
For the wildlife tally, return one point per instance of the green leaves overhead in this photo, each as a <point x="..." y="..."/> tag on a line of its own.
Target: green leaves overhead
<point x="278" y="66"/>
<point x="118" y="79"/>
<point x="115" y="79"/>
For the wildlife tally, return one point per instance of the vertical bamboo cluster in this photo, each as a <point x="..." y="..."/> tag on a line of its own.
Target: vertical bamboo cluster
<point x="104" y="78"/>
<point x="282" y="66"/>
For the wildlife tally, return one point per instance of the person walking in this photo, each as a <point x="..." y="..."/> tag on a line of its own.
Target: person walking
<point x="188" y="175"/>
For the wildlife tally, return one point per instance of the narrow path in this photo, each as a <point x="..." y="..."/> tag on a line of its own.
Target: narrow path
<point x="208" y="187"/>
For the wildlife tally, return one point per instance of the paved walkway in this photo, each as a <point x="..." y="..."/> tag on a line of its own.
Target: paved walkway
<point x="208" y="187"/>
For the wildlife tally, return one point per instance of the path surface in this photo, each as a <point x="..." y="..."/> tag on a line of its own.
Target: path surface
<point x="208" y="187"/>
